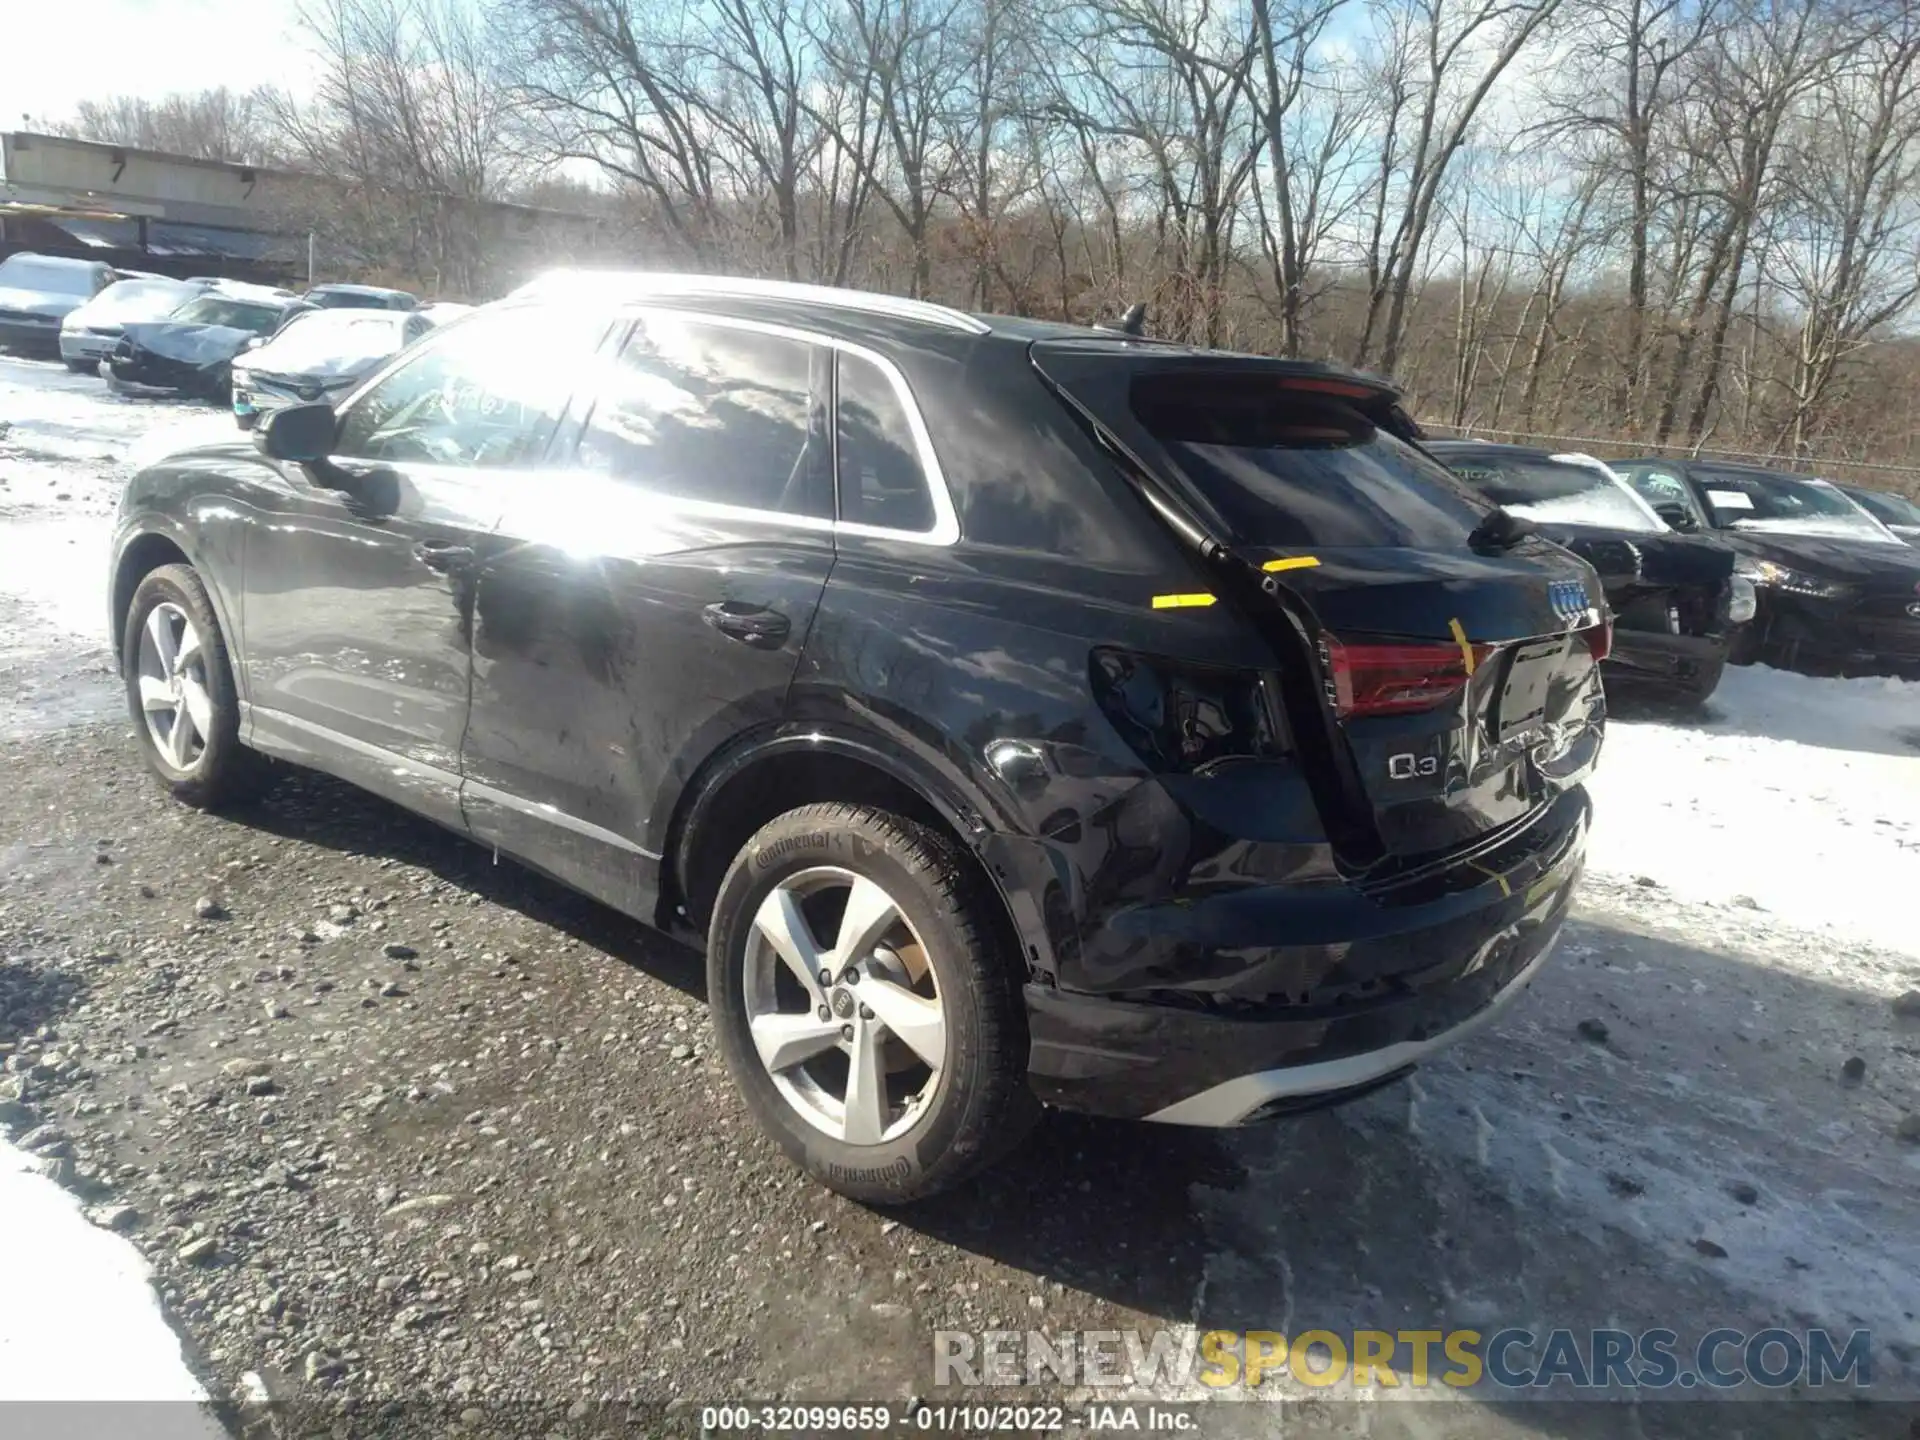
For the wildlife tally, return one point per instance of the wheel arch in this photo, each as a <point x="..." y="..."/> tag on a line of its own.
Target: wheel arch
<point x="138" y="555"/>
<point x="768" y="774"/>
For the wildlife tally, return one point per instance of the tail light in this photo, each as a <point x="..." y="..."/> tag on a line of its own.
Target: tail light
<point x="1394" y="679"/>
<point x="1179" y="717"/>
<point x="1600" y="639"/>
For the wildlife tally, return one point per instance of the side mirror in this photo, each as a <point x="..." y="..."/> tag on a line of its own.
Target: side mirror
<point x="1677" y="515"/>
<point x="302" y="433"/>
<point x="254" y="342"/>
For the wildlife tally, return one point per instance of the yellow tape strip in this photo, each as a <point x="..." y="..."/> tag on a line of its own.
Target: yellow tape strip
<point x="1495" y="876"/>
<point x="1292" y="562"/>
<point x="1460" y="639"/>
<point x="1181" y="602"/>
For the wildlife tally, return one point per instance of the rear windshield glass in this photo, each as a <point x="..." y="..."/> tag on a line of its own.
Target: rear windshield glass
<point x="1554" y="491"/>
<point x="1288" y="469"/>
<point x="37" y="272"/>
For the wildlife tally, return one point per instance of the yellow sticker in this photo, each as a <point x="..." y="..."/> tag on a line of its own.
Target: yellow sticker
<point x="1495" y="876"/>
<point x="1460" y="638"/>
<point x="1292" y="562"/>
<point x="1181" y="602"/>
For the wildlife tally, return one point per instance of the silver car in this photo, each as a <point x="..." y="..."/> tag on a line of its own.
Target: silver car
<point x="89" y="334"/>
<point x="38" y="291"/>
<point x="320" y="355"/>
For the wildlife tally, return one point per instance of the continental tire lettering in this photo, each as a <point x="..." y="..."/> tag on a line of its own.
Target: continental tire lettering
<point x="769" y="855"/>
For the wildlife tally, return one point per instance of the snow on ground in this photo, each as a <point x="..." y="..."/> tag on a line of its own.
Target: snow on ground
<point x="1802" y="795"/>
<point x="92" y="1329"/>
<point x="66" y="448"/>
<point x="1752" y="906"/>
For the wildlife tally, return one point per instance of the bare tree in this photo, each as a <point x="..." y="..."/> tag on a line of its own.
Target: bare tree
<point x="1441" y="60"/>
<point x="217" y="124"/>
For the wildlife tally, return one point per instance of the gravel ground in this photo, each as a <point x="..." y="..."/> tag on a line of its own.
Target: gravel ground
<point x="423" y="1143"/>
<point x="390" y="1120"/>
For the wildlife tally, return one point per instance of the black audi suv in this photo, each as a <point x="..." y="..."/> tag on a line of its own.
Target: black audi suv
<point x="1022" y="714"/>
<point x="1838" y="591"/>
<point x="1677" y="605"/>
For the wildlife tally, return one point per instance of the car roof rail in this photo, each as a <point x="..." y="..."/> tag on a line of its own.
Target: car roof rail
<point x="628" y="285"/>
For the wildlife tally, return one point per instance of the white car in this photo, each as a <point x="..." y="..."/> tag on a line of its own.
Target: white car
<point x="89" y="334"/>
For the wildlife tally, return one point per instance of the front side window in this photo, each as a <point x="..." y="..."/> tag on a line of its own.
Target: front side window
<point x="696" y="410"/>
<point x="1887" y="509"/>
<point x="489" y="394"/>
<point x="882" y="482"/>
<point x="1658" y="486"/>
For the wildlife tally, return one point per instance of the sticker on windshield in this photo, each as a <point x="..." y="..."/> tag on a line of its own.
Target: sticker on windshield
<point x="1730" y="500"/>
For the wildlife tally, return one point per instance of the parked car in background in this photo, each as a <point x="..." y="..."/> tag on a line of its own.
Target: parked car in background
<point x="38" y="291"/>
<point x="90" y="333"/>
<point x="1020" y="712"/>
<point x="1837" y="590"/>
<point x="191" y="351"/>
<point x="318" y="355"/>
<point x="360" y="297"/>
<point x="1676" y="602"/>
<point x="1896" y="512"/>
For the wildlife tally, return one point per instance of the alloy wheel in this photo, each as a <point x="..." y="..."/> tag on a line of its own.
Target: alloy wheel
<point x="173" y="686"/>
<point x="852" y="1030"/>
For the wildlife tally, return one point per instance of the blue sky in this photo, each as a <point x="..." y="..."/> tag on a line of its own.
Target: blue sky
<point x="95" y="48"/>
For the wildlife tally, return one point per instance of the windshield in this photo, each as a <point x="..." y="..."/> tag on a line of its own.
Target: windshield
<point x="138" y="300"/>
<point x="1555" y="491"/>
<point x="225" y="310"/>
<point x="1285" y="468"/>
<point x="314" y="340"/>
<point x="1744" y="500"/>
<point x="1887" y="509"/>
<point x="38" y="272"/>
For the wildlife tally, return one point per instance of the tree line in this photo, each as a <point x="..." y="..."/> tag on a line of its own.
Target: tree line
<point x="1692" y="223"/>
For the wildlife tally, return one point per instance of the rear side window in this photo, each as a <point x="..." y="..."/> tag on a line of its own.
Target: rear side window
<point x="881" y="479"/>
<point x="1285" y="468"/>
<point x="701" y="411"/>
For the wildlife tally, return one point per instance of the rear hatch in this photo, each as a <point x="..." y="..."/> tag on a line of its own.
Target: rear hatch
<point x="1439" y="673"/>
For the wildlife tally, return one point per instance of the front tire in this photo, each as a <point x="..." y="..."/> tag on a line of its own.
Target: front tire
<point x="180" y="692"/>
<point x="866" y="1005"/>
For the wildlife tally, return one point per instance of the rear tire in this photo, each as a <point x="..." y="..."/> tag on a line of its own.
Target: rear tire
<point x="932" y="1127"/>
<point x="174" y="660"/>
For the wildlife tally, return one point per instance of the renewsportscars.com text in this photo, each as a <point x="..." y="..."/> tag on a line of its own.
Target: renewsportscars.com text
<point x="1556" y="1360"/>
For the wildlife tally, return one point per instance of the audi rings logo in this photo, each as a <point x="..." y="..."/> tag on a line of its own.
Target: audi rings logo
<point x="1569" y="600"/>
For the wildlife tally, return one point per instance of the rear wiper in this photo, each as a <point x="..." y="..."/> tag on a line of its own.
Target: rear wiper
<point x="1501" y="530"/>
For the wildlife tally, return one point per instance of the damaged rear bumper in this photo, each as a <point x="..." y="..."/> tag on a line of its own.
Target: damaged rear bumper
<point x="1417" y="978"/>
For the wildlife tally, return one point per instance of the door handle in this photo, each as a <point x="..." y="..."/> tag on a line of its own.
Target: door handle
<point x="757" y="626"/>
<point x="447" y="559"/>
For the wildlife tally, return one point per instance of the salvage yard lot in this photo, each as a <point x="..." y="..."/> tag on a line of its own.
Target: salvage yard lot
<point x="394" y="1121"/>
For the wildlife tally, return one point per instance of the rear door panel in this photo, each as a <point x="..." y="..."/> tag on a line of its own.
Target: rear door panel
<point x="623" y="628"/>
